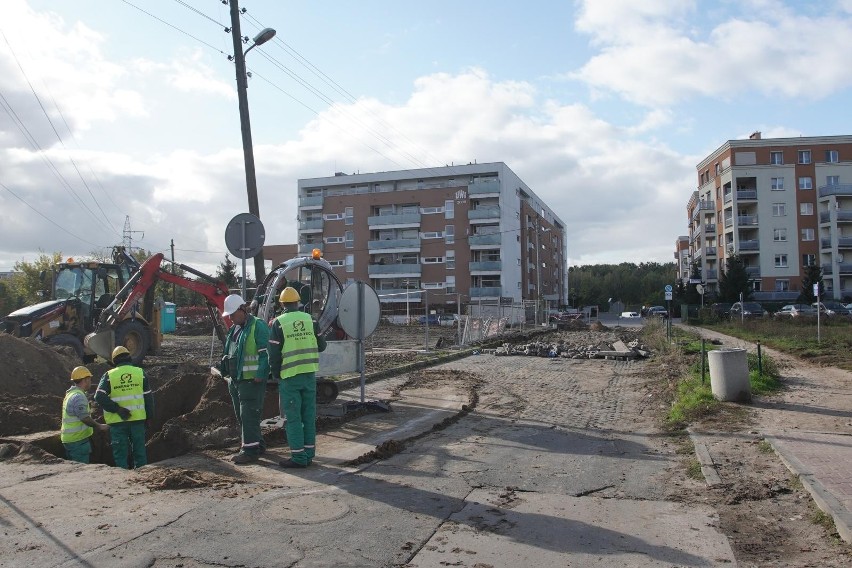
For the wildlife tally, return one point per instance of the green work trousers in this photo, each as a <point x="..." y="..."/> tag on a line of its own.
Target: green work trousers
<point x="128" y="440"/>
<point x="247" y="397"/>
<point x="79" y="451"/>
<point x="297" y="396"/>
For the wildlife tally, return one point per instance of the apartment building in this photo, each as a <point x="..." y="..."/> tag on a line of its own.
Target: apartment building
<point x="682" y="257"/>
<point x="781" y="204"/>
<point x="470" y="232"/>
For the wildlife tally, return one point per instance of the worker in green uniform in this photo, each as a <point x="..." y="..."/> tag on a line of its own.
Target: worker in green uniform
<point x="245" y="365"/>
<point x="77" y="423"/>
<point x="128" y="402"/>
<point x="294" y="359"/>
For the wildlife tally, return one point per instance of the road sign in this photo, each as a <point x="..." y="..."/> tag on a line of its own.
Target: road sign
<point x="244" y="236"/>
<point x="668" y="296"/>
<point x="668" y="288"/>
<point x="699" y="288"/>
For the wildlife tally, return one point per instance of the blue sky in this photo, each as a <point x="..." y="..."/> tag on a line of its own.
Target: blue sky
<point x="602" y="106"/>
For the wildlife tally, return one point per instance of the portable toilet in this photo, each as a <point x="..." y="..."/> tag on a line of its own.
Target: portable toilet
<point x="168" y="318"/>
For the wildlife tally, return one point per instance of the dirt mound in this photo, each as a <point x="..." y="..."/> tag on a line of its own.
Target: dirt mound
<point x="23" y="452"/>
<point x="178" y="478"/>
<point x="33" y="380"/>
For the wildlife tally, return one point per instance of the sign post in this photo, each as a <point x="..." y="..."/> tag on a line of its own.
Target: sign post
<point x="668" y="291"/>
<point x="819" y="305"/>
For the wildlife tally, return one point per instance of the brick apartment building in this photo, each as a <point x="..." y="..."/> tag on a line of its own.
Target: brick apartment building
<point x="471" y="232"/>
<point x="781" y="204"/>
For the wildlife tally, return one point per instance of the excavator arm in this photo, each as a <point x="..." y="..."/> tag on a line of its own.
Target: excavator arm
<point x="102" y="340"/>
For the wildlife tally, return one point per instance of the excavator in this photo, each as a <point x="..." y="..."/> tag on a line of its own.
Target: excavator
<point x="130" y="318"/>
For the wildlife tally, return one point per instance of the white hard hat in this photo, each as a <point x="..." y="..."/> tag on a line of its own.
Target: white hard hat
<point x="233" y="303"/>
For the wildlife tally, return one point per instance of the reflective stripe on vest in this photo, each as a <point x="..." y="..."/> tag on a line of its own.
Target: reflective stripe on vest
<point x="299" y="352"/>
<point x="250" y="356"/>
<point x="126" y="390"/>
<point x="73" y="429"/>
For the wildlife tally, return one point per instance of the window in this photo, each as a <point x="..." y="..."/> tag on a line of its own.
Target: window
<point x="450" y="284"/>
<point x="779" y="209"/>
<point x="450" y="234"/>
<point x="350" y="263"/>
<point x="782" y="285"/>
<point x="333" y="240"/>
<point x="779" y="235"/>
<point x="806" y="208"/>
<point x="449" y="209"/>
<point x="780" y="261"/>
<point x="831" y="156"/>
<point x="776" y="158"/>
<point x="777" y="184"/>
<point x="450" y="260"/>
<point x="431" y="210"/>
<point x="804" y="156"/>
<point x="832" y="180"/>
<point x="433" y="260"/>
<point x="349" y="239"/>
<point x="336" y="262"/>
<point x="808" y="259"/>
<point x="806" y="183"/>
<point x="807" y="234"/>
<point x="333" y="216"/>
<point x="348" y="215"/>
<point x="718" y="169"/>
<point x="432" y="235"/>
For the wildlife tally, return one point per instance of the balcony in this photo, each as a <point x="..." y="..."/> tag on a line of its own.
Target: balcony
<point x="311" y="225"/>
<point x="844" y="216"/>
<point x="729" y="222"/>
<point x="712" y="274"/>
<point x="484" y="187"/>
<point x="478" y="240"/>
<point x="486" y="266"/>
<point x="844" y="242"/>
<point x="307" y="248"/>
<point x="709" y="251"/>
<point x="827" y="269"/>
<point x="710" y="229"/>
<point x="841" y="189"/>
<point x="753" y="271"/>
<point x="747" y="220"/>
<point x="825" y="217"/>
<point x="388" y="244"/>
<point x="749" y="246"/>
<point x="407" y="270"/>
<point x="400" y="295"/>
<point x="729" y="197"/>
<point x="314" y="201"/>
<point x="844" y="269"/>
<point x="825" y="243"/>
<point x="484" y="213"/>
<point x="746" y="195"/>
<point x="400" y="220"/>
<point x="485" y="292"/>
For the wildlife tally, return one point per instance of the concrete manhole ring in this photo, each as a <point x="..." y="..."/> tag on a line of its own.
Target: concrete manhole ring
<point x="304" y="509"/>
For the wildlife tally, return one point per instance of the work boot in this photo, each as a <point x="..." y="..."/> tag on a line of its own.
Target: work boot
<point x="244" y="458"/>
<point x="290" y="464"/>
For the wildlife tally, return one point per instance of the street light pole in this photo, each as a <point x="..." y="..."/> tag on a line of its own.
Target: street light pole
<point x="245" y="124"/>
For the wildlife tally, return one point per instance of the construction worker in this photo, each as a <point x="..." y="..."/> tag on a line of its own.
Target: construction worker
<point x="77" y="423"/>
<point x="128" y="402"/>
<point x="245" y="365"/>
<point x="294" y="359"/>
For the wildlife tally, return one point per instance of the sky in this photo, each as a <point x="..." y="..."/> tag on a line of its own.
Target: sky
<point x="126" y="110"/>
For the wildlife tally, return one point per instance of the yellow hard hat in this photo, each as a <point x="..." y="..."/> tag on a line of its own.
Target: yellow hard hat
<point x="289" y="295"/>
<point x="118" y="351"/>
<point x="80" y="373"/>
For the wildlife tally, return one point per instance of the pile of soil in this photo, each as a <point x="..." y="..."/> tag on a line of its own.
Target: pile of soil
<point x="179" y="478"/>
<point x="33" y="380"/>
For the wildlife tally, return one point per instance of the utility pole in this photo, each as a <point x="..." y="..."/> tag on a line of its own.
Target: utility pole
<point x="245" y="126"/>
<point x="537" y="272"/>
<point x="173" y="263"/>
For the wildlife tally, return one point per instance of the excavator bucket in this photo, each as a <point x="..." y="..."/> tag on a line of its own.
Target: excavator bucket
<point x="101" y="342"/>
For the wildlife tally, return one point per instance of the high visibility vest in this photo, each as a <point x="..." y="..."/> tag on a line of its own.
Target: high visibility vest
<point x="250" y="355"/>
<point x="299" y="352"/>
<point x="126" y="390"/>
<point x="73" y="429"/>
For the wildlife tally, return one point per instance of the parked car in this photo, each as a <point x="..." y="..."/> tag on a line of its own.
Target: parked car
<point x="433" y="319"/>
<point x="796" y="310"/>
<point x="747" y="310"/>
<point x="448" y="320"/>
<point x="721" y="310"/>
<point x="657" y="312"/>
<point x="832" y="308"/>
<point x="629" y="315"/>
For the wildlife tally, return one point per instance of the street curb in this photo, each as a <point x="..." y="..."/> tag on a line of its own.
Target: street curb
<point x="823" y="499"/>
<point x="708" y="468"/>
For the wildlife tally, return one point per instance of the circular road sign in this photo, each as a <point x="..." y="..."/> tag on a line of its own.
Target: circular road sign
<point x="247" y="246"/>
<point x="668" y="287"/>
<point x="699" y="288"/>
<point x="347" y="314"/>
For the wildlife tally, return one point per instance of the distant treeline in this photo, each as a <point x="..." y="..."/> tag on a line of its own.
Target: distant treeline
<point x="634" y="285"/>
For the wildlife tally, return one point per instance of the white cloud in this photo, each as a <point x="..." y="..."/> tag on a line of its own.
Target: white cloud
<point x="655" y="53"/>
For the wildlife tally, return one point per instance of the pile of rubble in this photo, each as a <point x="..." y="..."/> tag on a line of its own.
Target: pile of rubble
<point x="603" y="350"/>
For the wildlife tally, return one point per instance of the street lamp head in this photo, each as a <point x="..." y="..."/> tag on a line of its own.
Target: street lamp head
<point x="265" y="35"/>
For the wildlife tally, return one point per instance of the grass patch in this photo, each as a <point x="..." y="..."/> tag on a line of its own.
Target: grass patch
<point x="819" y="517"/>
<point x="693" y="469"/>
<point x="764" y="447"/>
<point x="796" y="483"/>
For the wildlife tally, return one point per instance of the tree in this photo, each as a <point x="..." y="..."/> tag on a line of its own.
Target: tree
<point x="813" y="275"/>
<point x="734" y="280"/>
<point x="28" y="283"/>
<point x="227" y="272"/>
